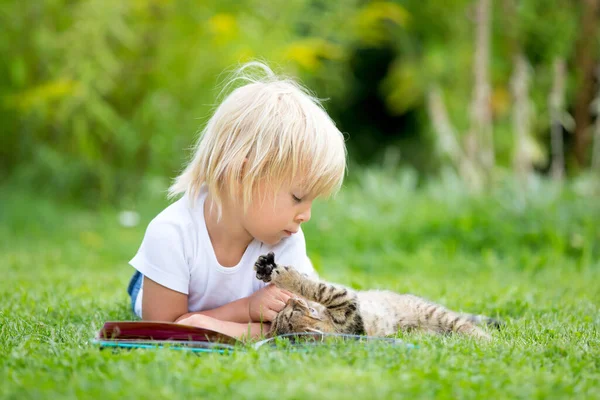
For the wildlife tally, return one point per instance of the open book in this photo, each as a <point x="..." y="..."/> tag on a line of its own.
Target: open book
<point x="143" y="334"/>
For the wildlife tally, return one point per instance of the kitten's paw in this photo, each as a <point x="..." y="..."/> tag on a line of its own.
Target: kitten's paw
<point x="264" y="267"/>
<point x="283" y="276"/>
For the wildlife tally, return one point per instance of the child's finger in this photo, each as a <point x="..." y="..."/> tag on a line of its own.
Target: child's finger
<point x="270" y="315"/>
<point x="278" y="305"/>
<point x="284" y="297"/>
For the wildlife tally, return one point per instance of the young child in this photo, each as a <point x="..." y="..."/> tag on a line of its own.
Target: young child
<point x="267" y="152"/>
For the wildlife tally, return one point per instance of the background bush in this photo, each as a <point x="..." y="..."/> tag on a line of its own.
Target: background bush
<point x="97" y="94"/>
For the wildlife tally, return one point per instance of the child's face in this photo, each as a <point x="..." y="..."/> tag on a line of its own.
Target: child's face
<point x="279" y="215"/>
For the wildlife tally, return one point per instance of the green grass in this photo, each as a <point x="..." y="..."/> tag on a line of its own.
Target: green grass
<point x="530" y="258"/>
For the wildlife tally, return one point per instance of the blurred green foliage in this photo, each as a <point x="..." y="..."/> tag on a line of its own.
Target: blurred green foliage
<point x="97" y="94"/>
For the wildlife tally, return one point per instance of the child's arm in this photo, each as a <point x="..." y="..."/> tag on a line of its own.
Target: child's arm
<point x="160" y="303"/>
<point x="163" y="304"/>
<point x="236" y="311"/>
<point x="251" y="330"/>
<point x="262" y="306"/>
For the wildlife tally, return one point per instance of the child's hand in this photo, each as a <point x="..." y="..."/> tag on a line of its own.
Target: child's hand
<point x="197" y="320"/>
<point x="265" y="303"/>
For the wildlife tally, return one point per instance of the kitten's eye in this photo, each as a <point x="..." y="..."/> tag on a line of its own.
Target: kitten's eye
<point x="313" y="312"/>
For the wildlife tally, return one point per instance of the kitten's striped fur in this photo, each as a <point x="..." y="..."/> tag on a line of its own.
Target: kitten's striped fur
<point x="326" y="307"/>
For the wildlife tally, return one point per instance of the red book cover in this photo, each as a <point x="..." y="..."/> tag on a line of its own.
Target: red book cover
<point x="160" y="331"/>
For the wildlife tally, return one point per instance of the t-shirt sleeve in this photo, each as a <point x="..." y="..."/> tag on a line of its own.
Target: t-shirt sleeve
<point x="163" y="256"/>
<point x="294" y="254"/>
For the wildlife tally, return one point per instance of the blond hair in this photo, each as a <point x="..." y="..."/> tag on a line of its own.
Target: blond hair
<point x="269" y="130"/>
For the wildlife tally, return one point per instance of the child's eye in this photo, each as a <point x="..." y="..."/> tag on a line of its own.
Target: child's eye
<point x="296" y="199"/>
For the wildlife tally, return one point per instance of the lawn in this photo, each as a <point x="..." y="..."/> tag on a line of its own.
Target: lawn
<point x="531" y="258"/>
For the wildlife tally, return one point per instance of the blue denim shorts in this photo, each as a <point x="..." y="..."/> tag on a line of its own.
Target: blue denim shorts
<point x="134" y="287"/>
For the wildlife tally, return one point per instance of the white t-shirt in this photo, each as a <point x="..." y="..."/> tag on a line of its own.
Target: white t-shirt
<point x="177" y="253"/>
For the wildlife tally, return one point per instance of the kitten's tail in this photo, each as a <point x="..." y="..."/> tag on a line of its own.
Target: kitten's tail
<point x="436" y="318"/>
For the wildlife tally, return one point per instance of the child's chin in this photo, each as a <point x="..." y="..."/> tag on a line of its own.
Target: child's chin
<point x="271" y="242"/>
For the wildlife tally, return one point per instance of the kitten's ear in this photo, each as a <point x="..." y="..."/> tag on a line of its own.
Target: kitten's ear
<point x="271" y="257"/>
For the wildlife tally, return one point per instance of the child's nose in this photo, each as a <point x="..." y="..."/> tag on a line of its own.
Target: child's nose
<point x="304" y="216"/>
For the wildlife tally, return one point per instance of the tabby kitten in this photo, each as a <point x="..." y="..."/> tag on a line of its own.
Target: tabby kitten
<point x="336" y="309"/>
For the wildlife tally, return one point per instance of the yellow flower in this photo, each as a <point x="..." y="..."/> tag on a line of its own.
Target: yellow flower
<point x="223" y="26"/>
<point x="309" y="52"/>
<point x="370" y="20"/>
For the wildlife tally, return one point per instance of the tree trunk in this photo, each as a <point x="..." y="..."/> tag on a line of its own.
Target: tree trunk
<point x="522" y="159"/>
<point x="585" y="59"/>
<point x="447" y="142"/>
<point x="556" y="106"/>
<point x="596" y="145"/>
<point x="480" y="141"/>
